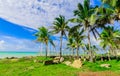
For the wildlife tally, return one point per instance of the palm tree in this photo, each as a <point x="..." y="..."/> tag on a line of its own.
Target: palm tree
<point x="113" y="5"/>
<point x="78" y="37"/>
<point x="60" y="26"/>
<point x="44" y="36"/>
<point x="86" y="17"/>
<point x="105" y="16"/>
<point x="71" y="44"/>
<point x="107" y="13"/>
<point x="93" y="48"/>
<point x="108" y="38"/>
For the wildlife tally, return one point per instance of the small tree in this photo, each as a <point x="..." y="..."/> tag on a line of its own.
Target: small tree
<point x="77" y="35"/>
<point x="44" y="36"/>
<point x="71" y="45"/>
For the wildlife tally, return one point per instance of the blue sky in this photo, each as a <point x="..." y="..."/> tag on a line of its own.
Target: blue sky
<point x="19" y="20"/>
<point x="15" y="30"/>
<point x="14" y="37"/>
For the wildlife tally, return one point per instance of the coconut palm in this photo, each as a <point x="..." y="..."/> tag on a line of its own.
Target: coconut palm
<point x="93" y="48"/>
<point x="107" y="13"/>
<point x="78" y="37"/>
<point x="108" y="38"/>
<point x="115" y="6"/>
<point x="44" y="36"/>
<point x="86" y="17"/>
<point x="71" y="44"/>
<point x="94" y="51"/>
<point x="105" y="16"/>
<point x="60" y="26"/>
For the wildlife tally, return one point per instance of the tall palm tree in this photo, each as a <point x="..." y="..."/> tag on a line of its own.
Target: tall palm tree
<point x="86" y="17"/>
<point x="108" y="38"/>
<point x="44" y="36"/>
<point x="60" y="26"/>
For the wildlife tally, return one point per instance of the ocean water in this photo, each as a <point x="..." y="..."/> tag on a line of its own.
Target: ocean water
<point x="23" y="54"/>
<point x="17" y="54"/>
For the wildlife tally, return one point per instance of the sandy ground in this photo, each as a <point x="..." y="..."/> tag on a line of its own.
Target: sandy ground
<point x="104" y="73"/>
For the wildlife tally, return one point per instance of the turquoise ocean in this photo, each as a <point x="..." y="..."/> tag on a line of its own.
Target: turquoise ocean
<point x="5" y="54"/>
<point x="17" y="54"/>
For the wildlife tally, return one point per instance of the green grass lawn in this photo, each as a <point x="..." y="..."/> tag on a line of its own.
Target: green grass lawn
<point x="27" y="67"/>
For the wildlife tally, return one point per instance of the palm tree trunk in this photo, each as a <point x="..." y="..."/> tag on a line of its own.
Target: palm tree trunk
<point x="91" y="57"/>
<point x="101" y="57"/>
<point x="116" y="51"/>
<point x="73" y="52"/>
<point x="40" y="50"/>
<point x="77" y="52"/>
<point x="84" y="56"/>
<point x="109" y="57"/>
<point x="46" y="49"/>
<point x="112" y="51"/>
<point x="61" y="45"/>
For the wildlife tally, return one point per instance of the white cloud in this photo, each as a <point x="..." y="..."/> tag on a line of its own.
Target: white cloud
<point x="8" y="43"/>
<point x="35" y="13"/>
<point x="2" y="44"/>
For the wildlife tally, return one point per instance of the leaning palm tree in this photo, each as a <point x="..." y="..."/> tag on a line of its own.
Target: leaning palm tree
<point x="44" y="36"/>
<point x="86" y="17"/>
<point x="60" y="26"/>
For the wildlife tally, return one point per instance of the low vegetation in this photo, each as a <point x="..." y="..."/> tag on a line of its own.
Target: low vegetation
<point x="28" y="67"/>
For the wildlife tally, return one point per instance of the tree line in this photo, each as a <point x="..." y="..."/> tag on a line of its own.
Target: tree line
<point x="97" y="21"/>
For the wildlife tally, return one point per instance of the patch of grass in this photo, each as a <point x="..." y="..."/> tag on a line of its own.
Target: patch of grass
<point x="115" y="66"/>
<point x="27" y="67"/>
